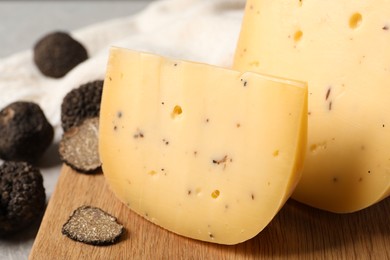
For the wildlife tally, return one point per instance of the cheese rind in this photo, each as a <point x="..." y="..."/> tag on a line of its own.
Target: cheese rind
<point x="341" y="48"/>
<point x="206" y="152"/>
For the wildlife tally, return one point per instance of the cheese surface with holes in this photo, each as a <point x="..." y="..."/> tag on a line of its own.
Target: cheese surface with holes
<point x="341" y="48"/>
<point x="205" y="152"/>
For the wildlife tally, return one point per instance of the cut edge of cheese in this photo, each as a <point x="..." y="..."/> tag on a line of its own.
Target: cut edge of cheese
<point x="205" y="152"/>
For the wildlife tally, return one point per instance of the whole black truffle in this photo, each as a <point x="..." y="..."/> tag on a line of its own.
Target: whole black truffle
<point x="23" y="196"/>
<point x="81" y="103"/>
<point x="57" y="53"/>
<point x="25" y="133"/>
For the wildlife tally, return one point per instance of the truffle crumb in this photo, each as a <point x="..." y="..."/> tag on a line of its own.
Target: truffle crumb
<point x="81" y="103"/>
<point x="57" y="53"/>
<point x="79" y="146"/>
<point x="91" y="225"/>
<point x="23" y="198"/>
<point x="25" y="133"/>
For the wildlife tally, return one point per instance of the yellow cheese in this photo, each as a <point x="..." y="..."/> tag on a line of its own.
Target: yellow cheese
<point x="342" y="49"/>
<point x="205" y="152"/>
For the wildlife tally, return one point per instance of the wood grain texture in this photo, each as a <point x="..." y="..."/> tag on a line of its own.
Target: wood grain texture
<point x="297" y="231"/>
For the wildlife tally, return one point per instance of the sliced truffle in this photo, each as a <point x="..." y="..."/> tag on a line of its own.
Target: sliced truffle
<point x="79" y="146"/>
<point x="93" y="226"/>
<point x="81" y="103"/>
<point x="23" y="196"/>
<point x="25" y="133"/>
<point x="57" y="53"/>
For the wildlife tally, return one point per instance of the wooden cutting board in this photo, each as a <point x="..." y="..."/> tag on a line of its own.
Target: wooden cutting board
<point x="297" y="231"/>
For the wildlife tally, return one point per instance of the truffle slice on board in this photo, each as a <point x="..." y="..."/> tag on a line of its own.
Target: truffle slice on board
<point x="93" y="226"/>
<point x="79" y="146"/>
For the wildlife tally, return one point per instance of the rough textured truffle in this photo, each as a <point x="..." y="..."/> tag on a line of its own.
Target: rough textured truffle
<point x="81" y="103"/>
<point x="23" y="196"/>
<point x="25" y="133"/>
<point x="79" y="146"/>
<point x="93" y="226"/>
<point x="57" y="53"/>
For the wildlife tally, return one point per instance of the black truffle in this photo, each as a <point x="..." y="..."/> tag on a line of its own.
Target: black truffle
<point x="78" y="147"/>
<point x="81" y="103"/>
<point x="23" y="196"/>
<point x="25" y="133"/>
<point x="57" y="53"/>
<point x="93" y="226"/>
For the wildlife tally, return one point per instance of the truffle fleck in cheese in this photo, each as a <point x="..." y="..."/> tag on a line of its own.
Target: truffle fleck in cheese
<point x="205" y="152"/>
<point x="341" y="48"/>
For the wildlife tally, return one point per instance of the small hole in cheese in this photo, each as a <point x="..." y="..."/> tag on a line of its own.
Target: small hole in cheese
<point x="215" y="194"/>
<point x="152" y="172"/>
<point x="355" y="20"/>
<point x="298" y="35"/>
<point x="254" y="63"/>
<point x="313" y="147"/>
<point x="177" y="110"/>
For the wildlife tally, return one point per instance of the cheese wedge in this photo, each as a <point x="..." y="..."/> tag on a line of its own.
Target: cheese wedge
<point x="206" y="152"/>
<point x="341" y="48"/>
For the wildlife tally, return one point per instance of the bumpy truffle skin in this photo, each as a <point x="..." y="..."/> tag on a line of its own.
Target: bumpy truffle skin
<point x="23" y="196"/>
<point x="81" y="103"/>
<point x="25" y="133"/>
<point x="57" y="53"/>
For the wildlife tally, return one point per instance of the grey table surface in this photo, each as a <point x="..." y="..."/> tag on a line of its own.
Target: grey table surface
<point x="21" y="24"/>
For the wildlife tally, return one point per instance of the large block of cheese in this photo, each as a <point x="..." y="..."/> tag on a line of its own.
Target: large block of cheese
<point x="342" y="49"/>
<point x="205" y="152"/>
